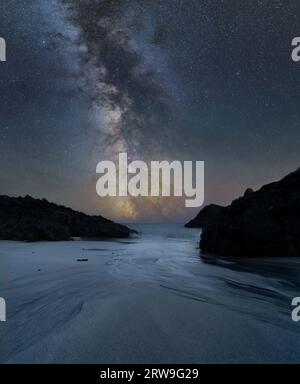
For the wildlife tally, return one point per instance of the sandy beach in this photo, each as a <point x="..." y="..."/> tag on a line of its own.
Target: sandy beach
<point x="149" y="299"/>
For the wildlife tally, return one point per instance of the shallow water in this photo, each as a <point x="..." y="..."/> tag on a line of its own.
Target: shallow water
<point x="48" y="292"/>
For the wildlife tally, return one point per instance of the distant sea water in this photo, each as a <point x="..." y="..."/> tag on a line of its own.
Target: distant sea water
<point x="152" y="298"/>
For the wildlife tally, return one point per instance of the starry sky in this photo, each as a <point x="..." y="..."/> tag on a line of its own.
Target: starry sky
<point x="208" y="80"/>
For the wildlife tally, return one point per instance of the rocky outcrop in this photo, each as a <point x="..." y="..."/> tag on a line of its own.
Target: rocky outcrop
<point x="206" y="216"/>
<point x="31" y="219"/>
<point x="262" y="223"/>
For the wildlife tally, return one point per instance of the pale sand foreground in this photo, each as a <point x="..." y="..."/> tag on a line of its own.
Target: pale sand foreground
<point x="149" y="300"/>
<point x="144" y="328"/>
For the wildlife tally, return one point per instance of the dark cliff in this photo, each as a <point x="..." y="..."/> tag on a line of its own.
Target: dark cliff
<point x="262" y="223"/>
<point x="205" y="217"/>
<point x="31" y="219"/>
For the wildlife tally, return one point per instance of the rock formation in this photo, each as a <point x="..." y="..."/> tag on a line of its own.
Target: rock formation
<point x="261" y="223"/>
<point x="31" y="219"/>
<point x="205" y="217"/>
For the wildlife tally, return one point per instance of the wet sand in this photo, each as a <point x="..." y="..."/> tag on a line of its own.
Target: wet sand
<point x="150" y="299"/>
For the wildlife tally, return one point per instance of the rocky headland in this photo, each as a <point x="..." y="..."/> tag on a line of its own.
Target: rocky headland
<point x="261" y="223"/>
<point x="28" y="219"/>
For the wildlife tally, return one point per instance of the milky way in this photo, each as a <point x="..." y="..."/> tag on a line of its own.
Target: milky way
<point x="134" y="106"/>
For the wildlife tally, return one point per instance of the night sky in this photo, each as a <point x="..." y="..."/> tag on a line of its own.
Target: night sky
<point x="208" y="80"/>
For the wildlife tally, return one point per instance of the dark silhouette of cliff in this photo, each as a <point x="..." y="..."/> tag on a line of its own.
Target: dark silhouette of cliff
<point x="31" y="219"/>
<point x="261" y="223"/>
<point x="206" y="216"/>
